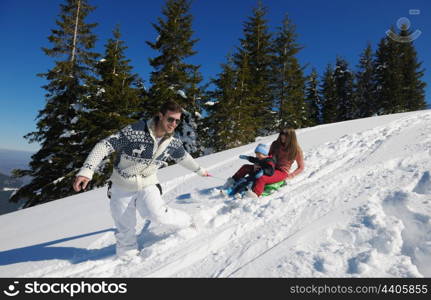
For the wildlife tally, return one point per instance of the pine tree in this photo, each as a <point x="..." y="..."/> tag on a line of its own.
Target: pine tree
<point x="113" y="102"/>
<point x="220" y="120"/>
<point x="192" y="124"/>
<point x="53" y="167"/>
<point x="313" y="100"/>
<point x="230" y="119"/>
<point x="289" y="81"/>
<point x="389" y="77"/>
<point x="398" y="74"/>
<point x="173" y="78"/>
<point x="366" y="85"/>
<point x="346" y="101"/>
<point x="413" y="91"/>
<point x="245" y="104"/>
<point x="256" y="49"/>
<point x="329" y="96"/>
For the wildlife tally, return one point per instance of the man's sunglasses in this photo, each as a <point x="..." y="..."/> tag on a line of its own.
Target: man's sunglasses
<point x="283" y="133"/>
<point x="172" y="120"/>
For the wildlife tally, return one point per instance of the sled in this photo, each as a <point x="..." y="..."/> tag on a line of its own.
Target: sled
<point x="273" y="187"/>
<point x="269" y="189"/>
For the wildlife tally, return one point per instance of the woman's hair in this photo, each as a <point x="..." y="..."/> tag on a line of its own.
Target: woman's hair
<point x="291" y="145"/>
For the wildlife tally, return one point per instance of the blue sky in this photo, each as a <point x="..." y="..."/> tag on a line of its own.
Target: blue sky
<point x="325" y="28"/>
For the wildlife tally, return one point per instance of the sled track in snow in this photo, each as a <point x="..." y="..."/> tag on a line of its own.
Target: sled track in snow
<point x="266" y="251"/>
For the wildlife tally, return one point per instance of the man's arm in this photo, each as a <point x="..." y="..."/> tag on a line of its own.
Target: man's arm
<point x="182" y="157"/>
<point x="102" y="149"/>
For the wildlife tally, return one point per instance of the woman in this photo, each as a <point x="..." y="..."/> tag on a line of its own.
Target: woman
<point x="285" y="151"/>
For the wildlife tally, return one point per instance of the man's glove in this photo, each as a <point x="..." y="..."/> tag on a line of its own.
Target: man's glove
<point x="202" y="172"/>
<point x="243" y="157"/>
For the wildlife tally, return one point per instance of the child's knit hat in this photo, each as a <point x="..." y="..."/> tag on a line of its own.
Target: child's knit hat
<point x="262" y="148"/>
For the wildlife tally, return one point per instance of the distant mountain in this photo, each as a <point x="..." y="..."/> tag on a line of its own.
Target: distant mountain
<point x="9" y="160"/>
<point x="8" y="182"/>
<point x="7" y="187"/>
<point x="5" y="205"/>
<point x="13" y="159"/>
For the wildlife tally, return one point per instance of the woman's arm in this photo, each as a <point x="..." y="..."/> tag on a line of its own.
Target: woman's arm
<point x="300" y="161"/>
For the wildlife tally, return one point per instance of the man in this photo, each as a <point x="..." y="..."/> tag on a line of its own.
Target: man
<point x="142" y="148"/>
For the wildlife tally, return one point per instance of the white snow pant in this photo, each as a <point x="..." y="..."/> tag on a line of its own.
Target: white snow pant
<point x="150" y="205"/>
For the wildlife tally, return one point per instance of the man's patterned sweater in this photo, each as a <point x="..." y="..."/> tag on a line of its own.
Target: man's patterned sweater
<point x="139" y="156"/>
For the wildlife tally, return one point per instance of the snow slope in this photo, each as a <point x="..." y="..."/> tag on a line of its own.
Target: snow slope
<point x="361" y="208"/>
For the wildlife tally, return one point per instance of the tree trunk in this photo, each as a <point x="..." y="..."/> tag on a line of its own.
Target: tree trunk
<point x="75" y="34"/>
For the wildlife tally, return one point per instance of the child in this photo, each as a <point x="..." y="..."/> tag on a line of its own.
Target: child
<point x="244" y="179"/>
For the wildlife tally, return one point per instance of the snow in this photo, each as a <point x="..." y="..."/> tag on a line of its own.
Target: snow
<point x="179" y="92"/>
<point x="182" y="94"/>
<point x="67" y="134"/>
<point x="361" y="208"/>
<point x="74" y="120"/>
<point x="58" y="180"/>
<point x="100" y="91"/>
